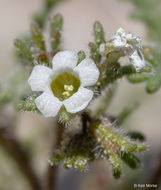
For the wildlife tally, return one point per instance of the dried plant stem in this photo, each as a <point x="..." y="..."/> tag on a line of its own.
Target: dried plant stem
<point x="14" y="148"/>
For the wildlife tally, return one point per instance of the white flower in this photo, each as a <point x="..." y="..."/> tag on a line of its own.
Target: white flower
<point x="63" y="85"/>
<point x="129" y="45"/>
<point x="123" y="40"/>
<point x="137" y="60"/>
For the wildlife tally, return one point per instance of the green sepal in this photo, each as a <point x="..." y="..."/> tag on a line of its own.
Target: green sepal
<point x="27" y="104"/>
<point x="64" y="116"/>
<point x="81" y="56"/>
<point x="42" y="59"/>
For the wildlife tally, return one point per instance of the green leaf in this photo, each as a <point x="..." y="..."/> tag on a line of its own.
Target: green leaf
<point x="138" y="77"/>
<point x="24" y="51"/>
<point x="95" y="55"/>
<point x="135" y="135"/>
<point x="131" y="160"/>
<point x="56" y="25"/>
<point x="154" y="82"/>
<point x="98" y="34"/>
<point x="37" y="37"/>
<point x="98" y="39"/>
<point x="41" y="17"/>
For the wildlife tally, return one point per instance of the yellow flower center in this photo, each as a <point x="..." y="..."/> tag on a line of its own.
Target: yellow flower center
<point x="65" y="85"/>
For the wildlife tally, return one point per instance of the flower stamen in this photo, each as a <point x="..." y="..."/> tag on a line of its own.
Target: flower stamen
<point x="68" y="90"/>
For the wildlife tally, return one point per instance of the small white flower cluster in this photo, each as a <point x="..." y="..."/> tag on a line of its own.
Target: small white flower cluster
<point x="64" y="65"/>
<point x="127" y="44"/>
<point x="64" y="84"/>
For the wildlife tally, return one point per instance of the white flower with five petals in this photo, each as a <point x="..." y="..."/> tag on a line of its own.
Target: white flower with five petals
<point x="128" y="44"/>
<point x="64" y="84"/>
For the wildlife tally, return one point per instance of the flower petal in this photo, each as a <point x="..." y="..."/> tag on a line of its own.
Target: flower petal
<point x="88" y="72"/>
<point x="48" y="104"/>
<point x="138" y="61"/>
<point x="39" y="78"/>
<point x="65" y="59"/>
<point x="118" y="40"/>
<point x="79" y="100"/>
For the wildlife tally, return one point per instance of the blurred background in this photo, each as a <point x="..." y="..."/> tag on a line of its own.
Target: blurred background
<point x="35" y="132"/>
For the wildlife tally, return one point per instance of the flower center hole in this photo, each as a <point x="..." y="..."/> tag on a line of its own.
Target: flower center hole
<point x="65" y="85"/>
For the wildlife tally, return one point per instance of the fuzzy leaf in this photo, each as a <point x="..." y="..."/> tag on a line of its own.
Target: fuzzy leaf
<point x="131" y="160"/>
<point x="24" y="51"/>
<point x="98" y="34"/>
<point x="98" y="39"/>
<point x="94" y="53"/>
<point x="41" y="17"/>
<point x="135" y="135"/>
<point x="37" y="37"/>
<point x="56" y="25"/>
